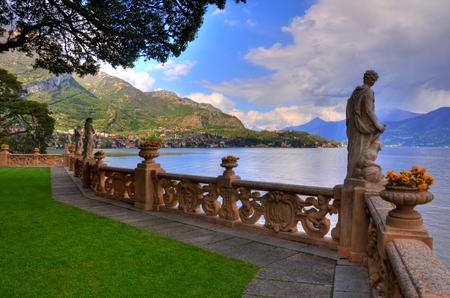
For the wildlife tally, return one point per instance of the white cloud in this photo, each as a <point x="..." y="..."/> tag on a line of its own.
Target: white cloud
<point x="173" y="71"/>
<point x="231" y="22"/>
<point x="282" y="117"/>
<point x="250" y="23"/>
<point x="335" y="42"/>
<point x="216" y="99"/>
<point x="218" y="12"/>
<point x="141" y="80"/>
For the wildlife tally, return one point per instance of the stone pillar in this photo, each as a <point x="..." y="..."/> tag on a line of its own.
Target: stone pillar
<point x="229" y="209"/>
<point x="101" y="174"/>
<point x="147" y="191"/>
<point x="70" y="161"/>
<point x="353" y="220"/>
<point x="4" y="155"/>
<point x="86" y="177"/>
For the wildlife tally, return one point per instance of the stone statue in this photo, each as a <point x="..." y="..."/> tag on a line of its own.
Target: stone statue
<point x="68" y="143"/>
<point x="88" y="139"/>
<point x="363" y="132"/>
<point x="78" y="140"/>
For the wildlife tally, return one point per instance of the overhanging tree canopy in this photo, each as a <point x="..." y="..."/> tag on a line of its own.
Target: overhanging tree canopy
<point x="24" y="124"/>
<point x="74" y="35"/>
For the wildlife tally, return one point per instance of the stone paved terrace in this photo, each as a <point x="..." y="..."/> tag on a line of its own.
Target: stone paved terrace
<point x="289" y="269"/>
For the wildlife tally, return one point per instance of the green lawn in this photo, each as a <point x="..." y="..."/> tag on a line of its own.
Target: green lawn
<point x="50" y="249"/>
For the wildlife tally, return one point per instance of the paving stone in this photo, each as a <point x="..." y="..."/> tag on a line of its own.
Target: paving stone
<point x="135" y="218"/>
<point x="301" y="268"/>
<point x="280" y="242"/>
<point x="192" y="234"/>
<point x="226" y="244"/>
<point x="244" y="251"/>
<point x="352" y="279"/>
<point x="165" y="226"/>
<point x="206" y="239"/>
<point x="144" y="223"/>
<point x="281" y="289"/>
<point x="177" y="230"/>
<point x="270" y="256"/>
<point x="122" y="215"/>
<point x="321" y="252"/>
<point x="350" y="295"/>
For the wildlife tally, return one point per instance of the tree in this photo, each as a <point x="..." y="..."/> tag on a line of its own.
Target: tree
<point x="24" y="124"/>
<point x="73" y="35"/>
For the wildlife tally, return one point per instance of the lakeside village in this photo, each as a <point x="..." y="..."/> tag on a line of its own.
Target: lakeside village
<point x="184" y="138"/>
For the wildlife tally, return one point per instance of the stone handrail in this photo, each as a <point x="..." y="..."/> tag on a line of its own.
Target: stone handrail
<point x="401" y="261"/>
<point x="238" y="205"/>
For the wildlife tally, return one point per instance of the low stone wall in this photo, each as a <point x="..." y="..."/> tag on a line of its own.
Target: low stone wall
<point x="401" y="261"/>
<point x="36" y="159"/>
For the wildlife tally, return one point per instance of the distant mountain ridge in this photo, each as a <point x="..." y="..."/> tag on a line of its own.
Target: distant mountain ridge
<point x="114" y="104"/>
<point x="403" y="128"/>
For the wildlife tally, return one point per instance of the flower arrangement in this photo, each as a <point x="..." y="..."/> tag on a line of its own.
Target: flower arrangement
<point x="230" y="158"/>
<point x="150" y="143"/>
<point x="416" y="178"/>
<point x="99" y="152"/>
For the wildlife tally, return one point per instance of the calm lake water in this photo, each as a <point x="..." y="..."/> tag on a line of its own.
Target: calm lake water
<point x="313" y="167"/>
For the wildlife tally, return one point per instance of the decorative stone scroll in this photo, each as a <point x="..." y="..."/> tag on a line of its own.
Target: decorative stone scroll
<point x="120" y="185"/>
<point x="190" y="196"/>
<point x="283" y="211"/>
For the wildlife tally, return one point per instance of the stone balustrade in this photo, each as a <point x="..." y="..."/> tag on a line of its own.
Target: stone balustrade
<point x="400" y="260"/>
<point x="241" y="204"/>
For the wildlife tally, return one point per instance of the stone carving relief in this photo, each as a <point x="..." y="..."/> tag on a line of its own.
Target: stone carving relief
<point x="282" y="211"/>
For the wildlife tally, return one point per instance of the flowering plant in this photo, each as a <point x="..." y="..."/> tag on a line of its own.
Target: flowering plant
<point x="150" y="143"/>
<point x="99" y="152"/>
<point x="230" y="158"/>
<point x="416" y="178"/>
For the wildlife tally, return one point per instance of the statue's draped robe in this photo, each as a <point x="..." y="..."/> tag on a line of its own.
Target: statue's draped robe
<point x="89" y="140"/>
<point x="361" y="126"/>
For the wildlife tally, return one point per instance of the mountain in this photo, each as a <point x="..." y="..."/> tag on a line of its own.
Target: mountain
<point x="114" y="104"/>
<point x="394" y="115"/>
<point x="428" y="130"/>
<point x="329" y="130"/>
<point x="403" y="128"/>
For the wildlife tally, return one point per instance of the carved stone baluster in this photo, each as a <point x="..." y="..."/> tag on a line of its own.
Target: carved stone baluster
<point x="210" y="204"/>
<point x="229" y="209"/>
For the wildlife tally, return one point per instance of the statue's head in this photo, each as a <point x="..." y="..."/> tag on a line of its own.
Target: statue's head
<point x="370" y="77"/>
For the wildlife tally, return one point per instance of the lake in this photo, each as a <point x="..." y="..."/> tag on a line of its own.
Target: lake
<point x="313" y="167"/>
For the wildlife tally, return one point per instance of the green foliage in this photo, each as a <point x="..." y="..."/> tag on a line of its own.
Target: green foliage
<point x="50" y="249"/>
<point x="73" y="36"/>
<point x="24" y="124"/>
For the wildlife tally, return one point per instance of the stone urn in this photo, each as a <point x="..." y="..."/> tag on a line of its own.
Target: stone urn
<point x="72" y="149"/>
<point x="36" y="150"/>
<point x="148" y="153"/>
<point x="405" y="199"/>
<point x="5" y="147"/>
<point x="229" y="165"/>
<point x="99" y="158"/>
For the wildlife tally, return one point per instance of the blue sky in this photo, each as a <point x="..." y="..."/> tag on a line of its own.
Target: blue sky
<point x="281" y="63"/>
